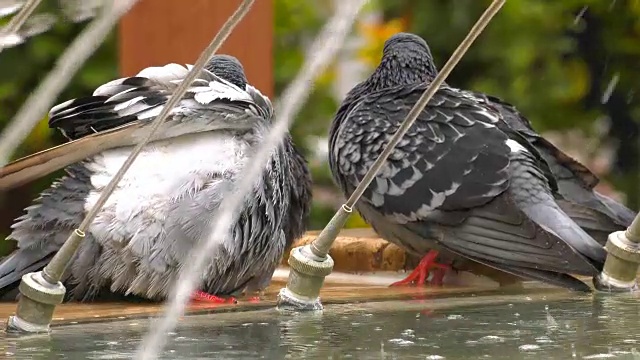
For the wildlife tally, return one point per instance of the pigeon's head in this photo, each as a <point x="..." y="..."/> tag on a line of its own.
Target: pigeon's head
<point x="402" y="42"/>
<point x="228" y="68"/>
<point x="406" y="59"/>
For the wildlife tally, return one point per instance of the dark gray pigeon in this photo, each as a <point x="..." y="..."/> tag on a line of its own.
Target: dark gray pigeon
<point x="461" y="184"/>
<point x="596" y="213"/>
<point x="164" y="203"/>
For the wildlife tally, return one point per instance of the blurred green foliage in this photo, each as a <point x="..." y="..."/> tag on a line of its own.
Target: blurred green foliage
<point x="540" y="55"/>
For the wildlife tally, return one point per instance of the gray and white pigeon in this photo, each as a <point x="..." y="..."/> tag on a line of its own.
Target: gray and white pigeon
<point x="165" y="203"/>
<point x="461" y="184"/>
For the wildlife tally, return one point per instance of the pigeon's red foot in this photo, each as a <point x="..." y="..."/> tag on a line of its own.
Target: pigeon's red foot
<point x="201" y="296"/>
<point x="420" y="274"/>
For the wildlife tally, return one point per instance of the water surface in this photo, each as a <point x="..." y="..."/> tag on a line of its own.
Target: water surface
<point x="583" y="327"/>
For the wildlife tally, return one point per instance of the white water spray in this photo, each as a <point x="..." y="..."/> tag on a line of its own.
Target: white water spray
<point x="325" y="48"/>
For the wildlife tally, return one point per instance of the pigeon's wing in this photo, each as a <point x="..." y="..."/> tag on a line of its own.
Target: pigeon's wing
<point x="450" y="169"/>
<point x="47" y="161"/>
<point x="575" y="181"/>
<point x="561" y="164"/>
<point x="260" y="103"/>
<point x="348" y="103"/>
<point x="138" y="98"/>
<point x="452" y="158"/>
<point x="117" y="114"/>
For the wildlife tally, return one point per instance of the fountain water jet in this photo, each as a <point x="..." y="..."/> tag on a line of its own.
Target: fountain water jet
<point x="325" y="47"/>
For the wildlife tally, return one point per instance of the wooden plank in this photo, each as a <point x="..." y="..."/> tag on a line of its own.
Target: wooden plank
<point x="332" y="293"/>
<point x="157" y="32"/>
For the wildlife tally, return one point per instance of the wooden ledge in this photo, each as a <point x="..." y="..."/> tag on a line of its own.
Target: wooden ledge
<point x="355" y="289"/>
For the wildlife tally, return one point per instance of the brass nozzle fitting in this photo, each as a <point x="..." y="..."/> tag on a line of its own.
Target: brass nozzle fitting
<point x="307" y="273"/>
<point x="37" y="302"/>
<point x="621" y="266"/>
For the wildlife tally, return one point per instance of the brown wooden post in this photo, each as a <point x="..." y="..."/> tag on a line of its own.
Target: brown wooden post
<point x="158" y="32"/>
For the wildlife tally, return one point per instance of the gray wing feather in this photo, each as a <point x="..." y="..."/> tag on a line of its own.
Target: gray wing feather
<point x="142" y="97"/>
<point x="576" y="183"/>
<point x="446" y="160"/>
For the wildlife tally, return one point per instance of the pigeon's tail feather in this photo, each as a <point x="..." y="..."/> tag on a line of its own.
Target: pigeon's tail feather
<point x="549" y="277"/>
<point x="571" y="190"/>
<point x="551" y="218"/>
<point x="14" y="266"/>
<point x="499" y="234"/>
<point x="46" y="225"/>
<point x="595" y="223"/>
<point x="621" y="213"/>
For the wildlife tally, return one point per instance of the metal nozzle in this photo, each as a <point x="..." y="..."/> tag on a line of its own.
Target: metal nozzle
<point x="42" y="291"/>
<point x="37" y="302"/>
<point x="305" y="280"/>
<point x="623" y="260"/>
<point x="309" y="265"/>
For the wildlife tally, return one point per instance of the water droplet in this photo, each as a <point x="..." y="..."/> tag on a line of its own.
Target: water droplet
<point x="610" y="88"/>
<point x="529" y="347"/>
<point x="580" y="15"/>
<point x="401" y="342"/>
<point x="551" y="322"/>
<point x="491" y="339"/>
<point x="454" y="317"/>
<point x="409" y="333"/>
<point x="434" y="357"/>
<point x="543" y="340"/>
<point x="599" y="356"/>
